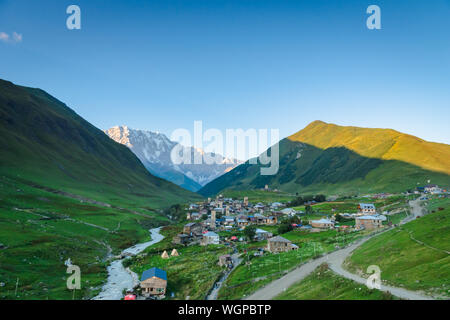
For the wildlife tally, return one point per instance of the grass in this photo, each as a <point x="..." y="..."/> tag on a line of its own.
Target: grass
<point x="41" y="230"/>
<point x="351" y="205"/>
<point x="259" y="271"/>
<point x="324" y="284"/>
<point x="351" y="161"/>
<point x="407" y="263"/>
<point x="256" y="196"/>
<point x="192" y="274"/>
<point x="67" y="191"/>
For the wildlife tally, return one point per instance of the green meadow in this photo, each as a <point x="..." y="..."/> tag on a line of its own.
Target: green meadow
<point x="324" y="284"/>
<point x="414" y="256"/>
<point x="191" y="274"/>
<point x="41" y="230"/>
<point x="256" y="271"/>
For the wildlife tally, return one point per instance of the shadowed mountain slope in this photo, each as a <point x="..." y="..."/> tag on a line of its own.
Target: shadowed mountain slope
<point x="332" y="159"/>
<point x="46" y="143"/>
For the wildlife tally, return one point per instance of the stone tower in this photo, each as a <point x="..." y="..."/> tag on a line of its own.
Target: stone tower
<point x="213" y="219"/>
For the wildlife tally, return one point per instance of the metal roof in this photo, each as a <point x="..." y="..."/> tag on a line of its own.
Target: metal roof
<point x="279" y="239"/>
<point x="154" y="272"/>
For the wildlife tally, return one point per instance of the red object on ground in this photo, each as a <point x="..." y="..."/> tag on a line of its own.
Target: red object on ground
<point x="130" y="297"/>
<point x="233" y="238"/>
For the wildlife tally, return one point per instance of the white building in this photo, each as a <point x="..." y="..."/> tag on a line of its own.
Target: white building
<point x="261" y="234"/>
<point x="366" y="208"/>
<point x="289" y="211"/>
<point x="210" y="238"/>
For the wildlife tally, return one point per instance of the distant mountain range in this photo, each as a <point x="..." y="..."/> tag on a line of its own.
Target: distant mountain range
<point x="154" y="150"/>
<point x="331" y="159"/>
<point x="45" y="143"/>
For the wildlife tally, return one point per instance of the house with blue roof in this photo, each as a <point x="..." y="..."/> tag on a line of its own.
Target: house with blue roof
<point x="154" y="282"/>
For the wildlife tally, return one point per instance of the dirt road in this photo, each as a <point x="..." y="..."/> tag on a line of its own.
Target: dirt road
<point x="335" y="260"/>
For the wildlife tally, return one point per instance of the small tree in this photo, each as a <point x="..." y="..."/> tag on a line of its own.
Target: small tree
<point x="286" y="227"/>
<point x="250" y="232"/>
<point x="308" y="209"/>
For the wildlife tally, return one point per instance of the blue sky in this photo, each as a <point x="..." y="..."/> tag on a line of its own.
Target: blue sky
<point x="160" y="65"/>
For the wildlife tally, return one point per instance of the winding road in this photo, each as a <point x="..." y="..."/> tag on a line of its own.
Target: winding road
<point x="335" y="260"/>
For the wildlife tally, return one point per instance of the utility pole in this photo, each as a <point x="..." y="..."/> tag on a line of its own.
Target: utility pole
<point x="279" y="263"/>
<point x="17" y="285"/>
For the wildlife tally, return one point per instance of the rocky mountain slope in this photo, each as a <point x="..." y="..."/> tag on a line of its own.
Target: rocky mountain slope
<point x="154" y="150"/>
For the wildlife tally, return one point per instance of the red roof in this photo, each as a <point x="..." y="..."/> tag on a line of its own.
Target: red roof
<point x="233" y="238"/>
<point x="130" y="297"/>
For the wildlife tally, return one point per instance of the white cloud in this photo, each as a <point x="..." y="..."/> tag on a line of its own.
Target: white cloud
<point x="4" y="37"/>
<point x="16" y="37"/>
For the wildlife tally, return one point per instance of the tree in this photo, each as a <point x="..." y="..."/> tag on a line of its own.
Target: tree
<point x="308" y="209"/>
<point x="250" y="232"/>
<point x="286" y="227"/>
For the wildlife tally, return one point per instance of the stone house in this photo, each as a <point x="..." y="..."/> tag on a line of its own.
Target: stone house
<point x="322" y="224"/>
<point x="182" y="239"/>
<point x="366" y="208"/>
<point x="280" y="244"/>
<point x="369" y="222"/>
<point x="210" y="238"/>
<point x="193" y="229"/>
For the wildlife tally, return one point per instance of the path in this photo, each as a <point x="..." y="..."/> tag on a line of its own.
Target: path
<point x="215" y="292"/>
<point x="121" y="278"/>
<point x="335" y="260"/>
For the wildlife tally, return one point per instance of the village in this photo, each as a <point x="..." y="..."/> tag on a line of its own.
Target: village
<point x="241" y="227"/>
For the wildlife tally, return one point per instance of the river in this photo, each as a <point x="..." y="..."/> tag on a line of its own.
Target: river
<point x="120" y="278"/>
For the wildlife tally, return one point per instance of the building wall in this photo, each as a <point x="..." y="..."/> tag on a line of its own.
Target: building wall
<point x="321" y="225"/>
<point x="154" y="286"/>
<point x="368" y="224"/>
<point x="275" y="246"/>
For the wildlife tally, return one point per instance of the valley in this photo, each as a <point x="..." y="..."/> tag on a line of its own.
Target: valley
<point x="71" y="193"/>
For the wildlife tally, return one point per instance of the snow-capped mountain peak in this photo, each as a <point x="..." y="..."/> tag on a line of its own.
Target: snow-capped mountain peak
<point x="154" y="149"/>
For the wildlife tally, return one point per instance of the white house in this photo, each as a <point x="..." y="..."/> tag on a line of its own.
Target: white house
<point x="210" y="238"/>
<point x="366" y="208"/>
<point x="261" y="234"/>
<point x="432" y="188"/>
<point x="276" y="205"/>
<point x="322" y="223"/>
<point x="289" y="211"/>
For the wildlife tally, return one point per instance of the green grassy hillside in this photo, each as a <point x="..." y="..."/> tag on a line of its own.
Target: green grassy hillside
<point x="67" y="191"/>
<point x="44" y="142"/>
<point x="323" y="284"/>
<point x="414" y="256"/>
<point x="362" y="162"/>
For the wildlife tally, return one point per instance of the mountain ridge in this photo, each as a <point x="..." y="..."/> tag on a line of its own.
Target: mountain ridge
<point x="45" y="141"/>
<point x="154" y="151"/>
<point x="328" y="158"/>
